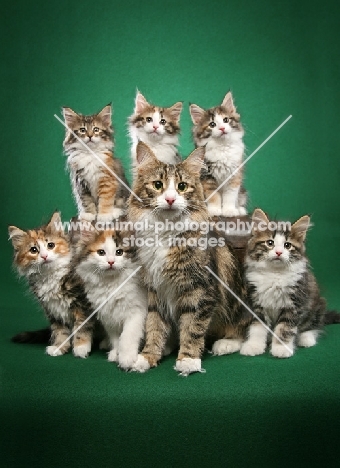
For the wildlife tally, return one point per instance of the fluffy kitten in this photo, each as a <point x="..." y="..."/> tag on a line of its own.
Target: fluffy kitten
<point x="156" y="126"/>
<point x="98" y="193"/>
<point x="283" y="291"/>
<point x="104" y="263"/>
<point x="43" y="256"/>
<point x="182" y="292"/>
<point x="220" y="131"/>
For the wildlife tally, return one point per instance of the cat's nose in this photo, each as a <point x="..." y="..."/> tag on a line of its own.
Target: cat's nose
<point x="110" y="263"/>
<point x="155" y="127"/>
<point x="43" y="256"/>
<point x="222" y="129"/>
<point x="170" y="200"/>
<point x="278" y="253"/>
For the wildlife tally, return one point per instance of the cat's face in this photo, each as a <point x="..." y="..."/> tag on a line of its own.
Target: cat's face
<point x="152" y="122"/>
<point x="93" y="130"/>
<point x="221" y="123"/>
<point x="277" y="248"/>
<point x="103" y="252"/>
<point x="168" y="191"/>
<point x="41" y="250"/>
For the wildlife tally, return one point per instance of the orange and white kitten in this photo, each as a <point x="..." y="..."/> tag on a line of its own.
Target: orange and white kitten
<point x="156" y="126"/>
<point x="43" y="256"/>
<point x="98" y="193"/>
<point x="220" y="131"/>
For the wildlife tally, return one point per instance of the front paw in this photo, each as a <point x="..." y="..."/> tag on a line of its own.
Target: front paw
<point x="242" y="211"/>
<point x="112" y="356"/>
<point x="230" y="211"/>
<point x="87" y="216"/>
<point x="187" y="366"/>
<point x="53" y="351"/>
<point x="82" y="350"/>
<point x="141" y="364"/>
<point x="226" y="346"/>
<point x="252" y="348"/>
<point x="214" y="210"/>
<point x="281" y="351"/>
<point x="126" y="362"/>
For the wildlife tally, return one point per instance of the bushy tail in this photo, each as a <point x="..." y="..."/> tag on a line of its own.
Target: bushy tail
<point x="332" y="316"/>
<point x="37" y="336"/>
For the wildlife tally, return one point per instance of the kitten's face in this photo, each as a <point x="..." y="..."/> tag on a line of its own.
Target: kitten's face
<point x="278" y="248"/>
<point x="169" y="191"/>
<point x="153" y="122"/>
<point x="104" y="252"/>
<point x="39" y="250"/>
<point x="93" y="130"/>
<point x="220" y="123"/>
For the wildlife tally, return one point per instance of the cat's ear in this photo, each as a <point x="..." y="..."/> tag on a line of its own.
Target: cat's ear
<point x="195" y="161"/>
<point x="69" y="115"/>
<point x="260" y="221"/>
<point x="175" y="110"/>
<point x="300" y="227"/>
<point x="145" y="155"/>
<point x="17" y="236"/>
<point x="140" y="103"/>
<point x="88" y="235"/>
<point x="55" y="225"/>
<point x="105" y="115"/>
<point x="196" y="113"/>
<point x="228" y="102"/>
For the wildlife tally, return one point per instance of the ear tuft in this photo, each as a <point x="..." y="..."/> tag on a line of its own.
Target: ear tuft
<point x="144" y="154"/>
<point x="195" y="161"/>
<point x="16" y="235"/>
<point x="228" y="102"/>
<point x="140" y="103"/>
<point x="196" y="113"/>
<point x="69" y="115"/>
<point x="300" y="227"/>
<point x="55" y="225"/>
<point x="105" y="115"/>
<point x="259" y="220"/>
<point x="176" y="110"/>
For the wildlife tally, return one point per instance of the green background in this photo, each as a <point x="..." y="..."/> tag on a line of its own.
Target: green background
<point x="279" y="58"/>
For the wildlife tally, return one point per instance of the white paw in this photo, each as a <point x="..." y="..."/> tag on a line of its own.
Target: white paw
<point x="87" y="216"/>
<point x="281" y="351"/>
<point x="214" y="210"/>
<point x="127" y="361"/>
<point x="116" y="212"/>
<point x="52" y="351"/>
<point x="230" y="211"/>
<point x="141" y="365"/>
<point x="187" y="366"/>
<point x="308" y="338"/>
<point x="251" y="348"/>
<point x="82" y="351"/>
<point x="112" y="356"/>
<point x="226" y="346"/>
<point x="104" y="344"/>
<point x="242" y="211"/>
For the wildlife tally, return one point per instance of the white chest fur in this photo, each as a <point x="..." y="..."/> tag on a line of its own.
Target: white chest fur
<point x="90" y="166"/>
<point x="224" y="157"/>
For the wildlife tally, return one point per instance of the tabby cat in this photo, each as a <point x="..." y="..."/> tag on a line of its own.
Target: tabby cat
<point x="183" y="294"/>
<point x="104" y="263"/>
<point x="98" y="192"/>
<point x="156" y="126"/>
<point x="43" y="256"/>
<point x="220" y="131"/>
<point x="282" y="289"/>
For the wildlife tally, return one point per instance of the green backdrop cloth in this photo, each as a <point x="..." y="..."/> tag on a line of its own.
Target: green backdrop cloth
<point x="279" y="59"/>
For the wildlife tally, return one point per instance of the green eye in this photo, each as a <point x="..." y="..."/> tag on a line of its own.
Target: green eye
<point x="270" y="243"/>
<point x="33" y="250"/>
<point x="182" y="186"/>
<point x="82" y="130"/>
<point x="101" y="252"/>
<point x="158" y="185"/>
<point x="119" y="252"/>
<point x="287" y="245"/>
<point x="96" y="129"/>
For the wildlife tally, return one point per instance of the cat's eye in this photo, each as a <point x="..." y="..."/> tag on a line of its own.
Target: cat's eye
<point x="101" y="252"/>
<point x="96" y="129"/>
<point x="287" y="245"/>
<point x="270" y="243"/>
<point x="162" y="122"/>
<point x="158" y="185"/>
<point x="182" y="186"/>
<point x="33" y="250"/>
<point x="226" y="120"/>
<point x="212" y="125"/>
<point x="82" y="130"/>
<point x="148" y="119"/>
<point x="50" y="245"/>
<point x="119" y="252"/>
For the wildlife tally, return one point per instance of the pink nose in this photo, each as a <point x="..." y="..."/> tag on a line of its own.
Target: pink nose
<point x="278" y="253"/>
<point x="170" y="200"/>
<point x="222" y="129"/>
<point x="43" y="256"/>
<point x="155" y="127"/>
<point x="110" y="263"/>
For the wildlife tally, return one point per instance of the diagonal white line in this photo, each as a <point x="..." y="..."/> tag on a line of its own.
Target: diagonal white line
<point x="98" y="308"/>
<point x="246" y="160"/>
<point x="97" y="157"/>
<point x="249" y="309"/>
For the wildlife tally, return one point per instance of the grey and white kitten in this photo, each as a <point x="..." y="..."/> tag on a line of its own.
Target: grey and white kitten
<point x="282" y="290"/>
<point x="104" y="263"/>
<point x="219" y="129"/>
<point x="156" y="126"/>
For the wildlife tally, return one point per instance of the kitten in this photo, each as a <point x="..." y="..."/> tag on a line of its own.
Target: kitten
<point x="220" y="131"/>
<point x="182" y="292"/>
<point x="43" y="256"/>
<point x="283" y="291"/>
<point x="104" y="263"/>
<point x="156" y="126"/>
<point x="98" y="193"/>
